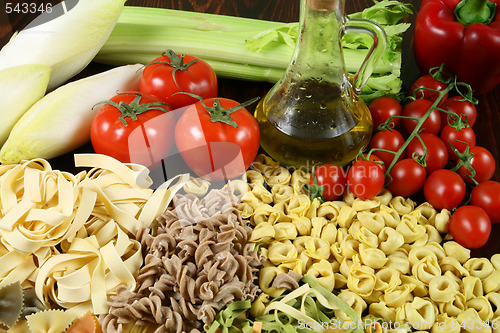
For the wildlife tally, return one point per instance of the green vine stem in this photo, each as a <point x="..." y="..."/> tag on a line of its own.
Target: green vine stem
<point x="420" y="122"/>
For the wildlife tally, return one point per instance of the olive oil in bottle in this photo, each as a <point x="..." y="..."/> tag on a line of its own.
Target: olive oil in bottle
<point x="313" y="114"/>
<point x="312" y="123"/>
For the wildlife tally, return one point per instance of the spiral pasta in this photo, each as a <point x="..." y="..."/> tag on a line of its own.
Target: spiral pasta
<point x="191" y="270"/>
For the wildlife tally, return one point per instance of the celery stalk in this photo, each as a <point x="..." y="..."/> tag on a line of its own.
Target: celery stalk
<point x="243" y="48"/>
<point x="60" y="121"/>
<point x="66" y="43"/>
<point x="21" y="87"/>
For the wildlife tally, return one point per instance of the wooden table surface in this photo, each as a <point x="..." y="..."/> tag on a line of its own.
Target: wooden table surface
<point x="487" y="127"/>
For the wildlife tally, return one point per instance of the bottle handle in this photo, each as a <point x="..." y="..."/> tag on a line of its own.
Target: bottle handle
<point x="379" y="36"/>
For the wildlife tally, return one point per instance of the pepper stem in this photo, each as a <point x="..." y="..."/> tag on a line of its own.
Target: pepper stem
<point x="475" y="11"/>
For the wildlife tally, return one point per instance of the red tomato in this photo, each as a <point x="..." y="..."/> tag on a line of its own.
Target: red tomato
<point x="365" y="179"/>
<point x="461" y="107"/>
<point x="151" y="134"/>
<point x="216" y="150"/>
<point x="383" y="108"/>
<point x="482" y="162"/>
<point x="470" y="226"/>
<point x="375" y="158"/>
<point x="192" y="75"/>
<point x="332" y="179"/>
<point x="437" y="154"/>
<point x="444" y="189"/>
<point x="457" y="139"/>
<point x="487" y="196"/>
<point x="390" y="140"/>
<point x="417" y="109"/>
<point x="428" y="82"/>
<point x="407" y="178"/>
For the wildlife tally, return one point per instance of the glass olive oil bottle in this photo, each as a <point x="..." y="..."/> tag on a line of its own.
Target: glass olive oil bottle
<point x="314" y="113"/>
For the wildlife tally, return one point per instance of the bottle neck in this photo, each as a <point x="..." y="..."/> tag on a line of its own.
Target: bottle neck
<point x="318" y="51"/>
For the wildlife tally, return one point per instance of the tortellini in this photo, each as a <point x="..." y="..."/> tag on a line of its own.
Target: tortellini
<point x="390" y="240"/>
<point x="420" y="313"/>
<point x="389" y="257"/>
<point x="323" y="271"/>
<point x="453" y="249"/>
<point x="443" y="289"/>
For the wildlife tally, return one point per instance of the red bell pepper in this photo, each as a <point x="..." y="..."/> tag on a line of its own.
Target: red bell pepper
<point x="463" y="35"/>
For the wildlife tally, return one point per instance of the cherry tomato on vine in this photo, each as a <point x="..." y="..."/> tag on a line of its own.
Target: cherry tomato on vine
<point x="444" y="189"/>
<point x="391" y="140"/>
<point x="424" y="83"/>
<point x="373" y="157"/>
<point x="487" y="196"/>
<point x="461" y="107"/>
<point x="170" y="73"/>
<point x="218" y="138"/>
<point x="483" y="163"/>
<point x="437" y="154"/>
<point x="383" y="108"/>
<point x="407" y="178"/>
<point x="115" y="132"/>
<point x="365" y="179"/>
<point x="332" y="179"/>
<point x="417" y="109"/>
<point x="458" y="138"/>
<point x="470" y="226"/>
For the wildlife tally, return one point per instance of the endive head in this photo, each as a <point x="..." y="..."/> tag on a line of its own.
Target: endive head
<point x="66" y="43"/>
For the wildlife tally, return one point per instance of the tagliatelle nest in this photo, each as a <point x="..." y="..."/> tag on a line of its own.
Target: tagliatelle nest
<point x="71" y="237"/>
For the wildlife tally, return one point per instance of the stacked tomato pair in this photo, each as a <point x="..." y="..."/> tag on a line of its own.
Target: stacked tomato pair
<point x="175" y="110"/>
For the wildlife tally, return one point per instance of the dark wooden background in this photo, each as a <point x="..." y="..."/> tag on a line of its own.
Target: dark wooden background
<point x="487" y="127"/>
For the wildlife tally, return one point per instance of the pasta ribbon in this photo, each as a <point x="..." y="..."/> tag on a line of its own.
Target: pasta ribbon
<point x="85" y="275"/>
<point x="53" y="224"/>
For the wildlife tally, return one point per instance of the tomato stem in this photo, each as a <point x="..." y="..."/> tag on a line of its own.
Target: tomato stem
<point x="134" y="108"/>
<point x="420" y="159"/>
<point x="176" y="62"/>
<point x="441" y="74"/>
<point x="464" y="159"/>
<point x="219" y="113"/>
<point x="315" y="190"/>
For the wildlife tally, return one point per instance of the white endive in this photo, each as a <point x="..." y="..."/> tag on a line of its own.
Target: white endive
<point x="20" y="87"/>
<point x="66" y="43"/>
<point x="60" y="121"/>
